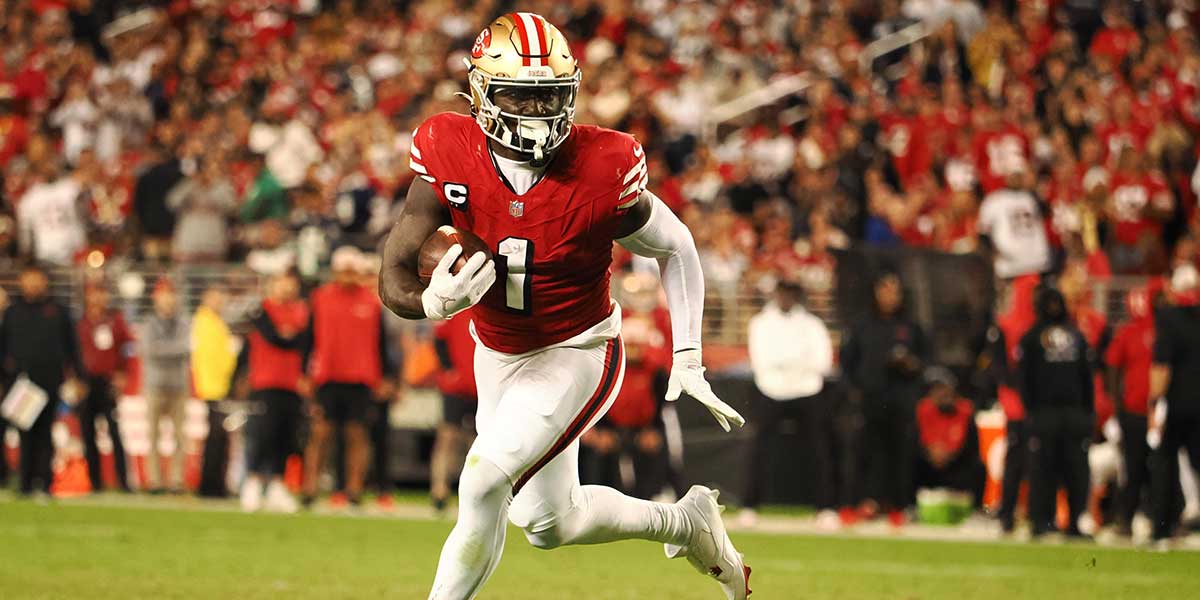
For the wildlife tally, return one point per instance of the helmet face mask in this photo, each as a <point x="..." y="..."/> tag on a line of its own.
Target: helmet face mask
<point x="523" y="83"/>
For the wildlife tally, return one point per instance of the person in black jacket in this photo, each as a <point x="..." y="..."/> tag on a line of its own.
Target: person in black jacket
<point x="1055" y="379"/>
<point x="37" y="339"/>
<point x="1175" y="383"/>
<point x="883" y="358"/>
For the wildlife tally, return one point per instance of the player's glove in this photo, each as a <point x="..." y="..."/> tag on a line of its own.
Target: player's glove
<point x="687" y="376"/>
<point x="451" y="293"/>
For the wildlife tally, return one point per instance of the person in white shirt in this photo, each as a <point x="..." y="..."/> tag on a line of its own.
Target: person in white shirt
<point x="1012" y="221"/>
<point x="790" y="355"/>
<point x="50" y="226"/>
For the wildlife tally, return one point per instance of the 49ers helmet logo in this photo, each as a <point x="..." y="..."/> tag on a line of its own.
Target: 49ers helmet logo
<point x="482" y="42"/>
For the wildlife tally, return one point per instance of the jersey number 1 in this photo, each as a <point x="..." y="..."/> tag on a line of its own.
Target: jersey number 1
<point x="515" y="270"/>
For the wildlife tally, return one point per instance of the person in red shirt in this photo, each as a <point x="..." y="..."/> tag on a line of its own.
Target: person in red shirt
<point x="1130" y="356"/>
<point x="633" y="426"/>
<point x="350" y="367"/>
<point x="1139" y="204"/>
<point x="274" y="357"/>
<point x="948" y="442"/>
<point x="104" y="344"/>
<point x="456" y="382"/>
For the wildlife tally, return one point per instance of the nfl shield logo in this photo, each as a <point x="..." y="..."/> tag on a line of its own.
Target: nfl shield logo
<point x="516" y="208"/>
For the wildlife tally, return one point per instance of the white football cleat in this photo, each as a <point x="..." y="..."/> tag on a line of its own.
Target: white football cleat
<point x="279" y="499"/>
<point x="710" y="550"/>
<point x="251" y="496"/>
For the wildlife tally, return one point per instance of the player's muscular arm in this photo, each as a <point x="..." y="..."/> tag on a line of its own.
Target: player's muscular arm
<point x="651" y="229"/>
<point x="422" y="214"/>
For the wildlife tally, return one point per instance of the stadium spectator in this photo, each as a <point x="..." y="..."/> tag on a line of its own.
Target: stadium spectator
<point x="105" y="345"/>
<point x="164" y="348"/>
<point x="632" y="432"/>
<point x="37" y="341"/>
<point x="791" y="354"/>
<point x="1174" y="423"/>
<point x="213" y="360"/>
<point x="156" y="222"/>
<point x="347" y="320"/>
<point x="456" y="384"/>
<point x="1129" y="357"/>
<point x="273" y="358"/>
<point x="202" y="205"/>
<point x="49" y="220"/>
<point x="883" y="356"/>
<point x="1011" y="222"/>
<point x="1056" y="385"/>
<point x="948" y="454"/>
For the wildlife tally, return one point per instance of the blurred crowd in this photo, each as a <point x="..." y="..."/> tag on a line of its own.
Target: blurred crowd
<point x="200" y="131"/>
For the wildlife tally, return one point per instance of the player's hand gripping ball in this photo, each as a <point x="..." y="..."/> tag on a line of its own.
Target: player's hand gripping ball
<point x="459" y="276"/>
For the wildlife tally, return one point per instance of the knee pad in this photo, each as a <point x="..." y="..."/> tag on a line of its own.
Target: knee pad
<point x="481" y="481"/>
<point x="546" y="525"/>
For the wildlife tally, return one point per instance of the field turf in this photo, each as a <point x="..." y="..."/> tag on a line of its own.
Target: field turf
<point x="83" y="550"/>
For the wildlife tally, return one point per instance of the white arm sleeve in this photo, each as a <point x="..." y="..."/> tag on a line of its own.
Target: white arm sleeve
<point x="666" y="238"/>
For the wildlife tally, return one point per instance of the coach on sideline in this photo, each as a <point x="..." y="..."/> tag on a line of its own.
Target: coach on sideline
<point x="348" y="365"/>
<point x="37" y="340"/>
<point x="1175" y="382"/>
<point x="790" y="354"/>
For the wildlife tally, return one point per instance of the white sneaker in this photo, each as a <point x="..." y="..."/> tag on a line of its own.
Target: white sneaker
<point x="710" y="550"/>
<point x="279" y="499"/>
<point x="252" y="494"/>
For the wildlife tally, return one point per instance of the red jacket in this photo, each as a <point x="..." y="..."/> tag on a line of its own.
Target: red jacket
<point x="456" y="352"/>
<point x="1132" y="351"/>
<point x="348" y="342"/>
<point x="276" y="346"/>
<point x="103" y="343"/>
<point x="947" y="431"/>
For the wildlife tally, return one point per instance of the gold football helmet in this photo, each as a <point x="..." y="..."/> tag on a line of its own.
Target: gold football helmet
<point x="522" y="54"/>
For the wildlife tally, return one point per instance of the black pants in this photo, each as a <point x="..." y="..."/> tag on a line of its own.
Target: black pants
<point x="3" y="453"/>
<point x="380" y="448"/>
<point x="1016" y="470"/>
<point x="651" y="470"/>
<point x="1179" y="432"/>
<point x="1136" y="453"/>
<point x="275" y="430"/>
<point x="216" y="454"/>
<point x="963" y="474"/>
<point x="1058" y="441"/>
<point x="891" y="444"/>
<point x="813" y="419"/>
<point x="101" y="401"/>
<point x="37" y="450"/>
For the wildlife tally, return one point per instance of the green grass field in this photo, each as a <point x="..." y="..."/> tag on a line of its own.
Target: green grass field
<point x="84" y="550"/>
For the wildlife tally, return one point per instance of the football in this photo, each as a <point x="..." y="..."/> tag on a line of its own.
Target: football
<point x="436" y="245"/>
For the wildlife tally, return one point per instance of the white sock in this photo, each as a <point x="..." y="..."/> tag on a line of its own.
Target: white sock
<point x="473" y="550"/>
<point x="607" y="515"/>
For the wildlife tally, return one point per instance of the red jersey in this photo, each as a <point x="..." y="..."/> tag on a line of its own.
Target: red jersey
<point x="553" y="244"/>
<point x="1132" y="351"/>
<point x="1132" y="195"/>
<point x="1000" y="153"/>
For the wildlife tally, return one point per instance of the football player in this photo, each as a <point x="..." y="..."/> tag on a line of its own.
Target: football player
<point x="548" y="197"/>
